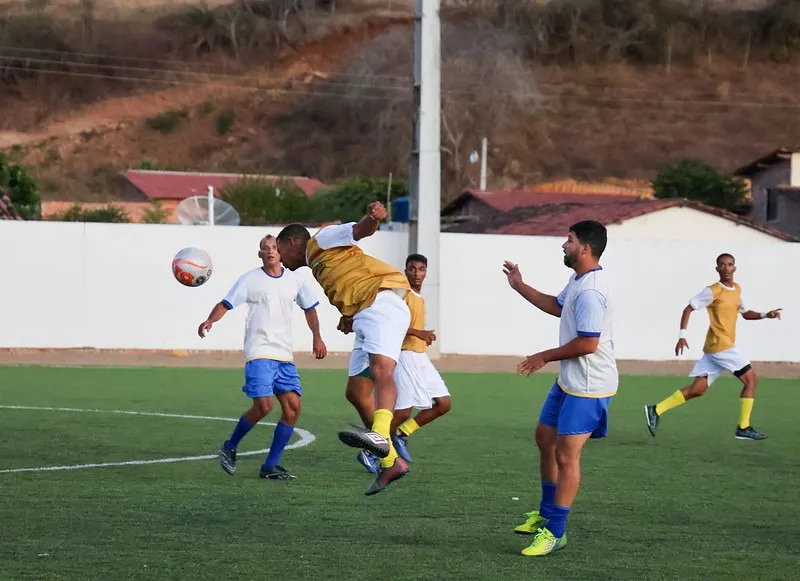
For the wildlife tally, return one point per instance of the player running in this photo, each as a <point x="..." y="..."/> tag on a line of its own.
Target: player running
<point x="269" y="293"/>
<point x="723" y="300"/>
<point x="576" y="408"/>
<point x="418" y="383"/>
<point x="371" y="292"/>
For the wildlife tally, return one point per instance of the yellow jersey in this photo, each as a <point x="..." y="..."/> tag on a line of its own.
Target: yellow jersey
<point x="416" y="304"/>
<point x="723" y="305"/>
<point x="349" y="278"/>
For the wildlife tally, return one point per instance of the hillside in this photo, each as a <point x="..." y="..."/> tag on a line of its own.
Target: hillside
<point x="331" y="97"/>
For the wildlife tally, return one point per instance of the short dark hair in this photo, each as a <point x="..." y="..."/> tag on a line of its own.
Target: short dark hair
<point x="293" y="232"/>
<point x="725" y="255"/>
<point x="592" y="233"/>
<point x="416" y="258"/>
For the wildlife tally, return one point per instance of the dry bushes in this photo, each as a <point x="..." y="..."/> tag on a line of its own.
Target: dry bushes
<point x="360" y="121"/>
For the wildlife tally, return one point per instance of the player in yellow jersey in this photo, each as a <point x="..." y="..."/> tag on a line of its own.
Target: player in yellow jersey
<point x="371" y="292"/>
<point x="723" y="300"/>
<point x="419" y="385"/>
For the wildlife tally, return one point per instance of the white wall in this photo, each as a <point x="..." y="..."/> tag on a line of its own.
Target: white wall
<point x="691" y="225"/>
<point x="110" y="286"/>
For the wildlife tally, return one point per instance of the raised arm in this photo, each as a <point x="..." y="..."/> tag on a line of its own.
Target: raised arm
<point x="547" y="303"/>
<point x="751" y="315"/>
<point x="368" y="225"/>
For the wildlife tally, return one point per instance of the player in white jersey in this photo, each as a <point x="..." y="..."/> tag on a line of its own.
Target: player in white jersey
<point x="576" y="408"/>
<point x="270" y="293"/>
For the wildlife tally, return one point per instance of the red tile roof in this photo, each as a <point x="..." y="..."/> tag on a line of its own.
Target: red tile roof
<point x="532" y="214"/>
<point x="178" y="185"/>
<point x="7" y="209"/>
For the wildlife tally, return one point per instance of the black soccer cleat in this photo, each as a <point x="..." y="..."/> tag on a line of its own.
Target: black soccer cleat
<point x="652" y="418"/>
<point x="749" y="433"/>
<point x="275" y="473"/>
<point x="227" y="459"/>
<point x="387" y="475"/>
<point x="366" y="440"/>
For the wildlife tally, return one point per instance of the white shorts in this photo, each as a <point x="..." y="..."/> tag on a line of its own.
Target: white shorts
<point x="380" y="330"/>
<point x="418" y="382"/>
<point x="712" y="365"/>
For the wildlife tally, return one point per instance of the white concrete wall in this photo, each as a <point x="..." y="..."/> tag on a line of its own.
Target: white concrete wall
<point x="687" y="224"/>
<point x="110" y="286"/>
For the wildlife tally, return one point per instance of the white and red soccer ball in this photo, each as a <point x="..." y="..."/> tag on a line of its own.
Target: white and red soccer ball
<point x="192" y="266"/>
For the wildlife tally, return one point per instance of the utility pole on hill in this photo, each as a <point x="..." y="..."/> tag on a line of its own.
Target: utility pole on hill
<point x="426" y="171"/>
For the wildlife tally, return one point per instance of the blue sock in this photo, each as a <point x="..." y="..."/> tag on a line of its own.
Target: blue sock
<point x="557" y="523"/>
<point x="239" y="432"/>
<point x="548" y="499"/>
<point x="283" y="432"/>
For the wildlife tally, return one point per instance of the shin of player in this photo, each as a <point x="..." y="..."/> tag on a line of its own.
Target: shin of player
<point x="576" y="408"/>
<point x="270" y="293"/>
<point x="724" y="303"/>
<point x="370" y="292"/>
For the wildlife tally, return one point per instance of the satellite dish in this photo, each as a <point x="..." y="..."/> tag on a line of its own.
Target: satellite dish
<point x="194" y="211"/>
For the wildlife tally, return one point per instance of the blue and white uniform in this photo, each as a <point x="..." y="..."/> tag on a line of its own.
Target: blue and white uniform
<point x="578" y="401"/>
<point x="269" y="368"/>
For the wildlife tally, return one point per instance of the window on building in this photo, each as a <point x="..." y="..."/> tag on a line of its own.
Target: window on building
<point x="772" y="205"/>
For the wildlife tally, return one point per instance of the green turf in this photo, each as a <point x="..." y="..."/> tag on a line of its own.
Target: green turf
<point x="692" y="504"/>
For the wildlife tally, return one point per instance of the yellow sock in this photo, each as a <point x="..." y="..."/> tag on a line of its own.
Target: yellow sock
<point x="744" y="411"/>
<point x="409" y="426"/>
<point x="672" y="401"/>
<point x="381" y="425"/>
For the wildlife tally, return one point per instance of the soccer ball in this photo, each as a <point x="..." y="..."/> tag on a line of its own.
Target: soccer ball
<point x="192" y="266"/>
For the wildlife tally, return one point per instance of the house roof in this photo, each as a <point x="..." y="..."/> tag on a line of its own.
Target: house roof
<point x="553" y="214"/>
<point x="505" y="200"/>
<point x="7" y="209"/>
<point x="765" y="162"/>
<point x="178" y="185"/>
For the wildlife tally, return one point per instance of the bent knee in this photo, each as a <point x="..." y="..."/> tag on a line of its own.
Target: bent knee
<point x="545" y="436"/>
<point x="382" y="368"/>
<point x="443" y="405"/>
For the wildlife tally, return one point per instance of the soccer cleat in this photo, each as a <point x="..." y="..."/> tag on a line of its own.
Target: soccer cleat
<point x="533" y="522"/>
<point x="399" y="442"/>
<point x="387" y="475"/>
<point x="227" y="459"/>
<point x="366" y="439"/>
<point x="544" y="543"/>
<point x="749" y="433"/>
<point x="651" y="417"/>
<point x="275" y="473"/>
<point x="368" y="461"/>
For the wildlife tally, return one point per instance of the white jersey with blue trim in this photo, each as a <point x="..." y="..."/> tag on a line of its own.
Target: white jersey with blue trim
<point x="270" y="302"/>
<point x="587" y="311"/>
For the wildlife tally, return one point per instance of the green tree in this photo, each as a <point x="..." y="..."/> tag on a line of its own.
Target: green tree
<point x="349" y="200"/>
<point x="695" y="180"/>
<point x="77" y="213"/>
<point x="261" y="202"/>
<point x="155" y="214"/>
<point x="22" y="189"/>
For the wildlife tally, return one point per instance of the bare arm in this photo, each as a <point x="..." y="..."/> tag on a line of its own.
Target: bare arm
<point x="427" y="336"/>
<point x="578" y="347"/>
<point x="547" y="303"/>
<point x="755" y="316"/>
<point x="682" y="343"/>
<point x="368" y="225"/>
<point x="312" y="319"/>
<point x="215" y="315"/>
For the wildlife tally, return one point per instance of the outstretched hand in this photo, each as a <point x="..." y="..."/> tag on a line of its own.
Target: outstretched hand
<point x="512" y="273"/>
<point x="774" y="314"/>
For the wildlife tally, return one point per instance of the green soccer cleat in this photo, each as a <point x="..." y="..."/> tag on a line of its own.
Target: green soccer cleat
<point x="533" y="522"/>
<point x="544" y="543"/>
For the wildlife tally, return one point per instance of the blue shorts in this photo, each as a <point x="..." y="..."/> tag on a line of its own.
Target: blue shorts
<point x="267" y="377"/>
<point x="572" y="415"/>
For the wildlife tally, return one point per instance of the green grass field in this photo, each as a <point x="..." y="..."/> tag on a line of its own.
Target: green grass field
<point x="692" y="504"/>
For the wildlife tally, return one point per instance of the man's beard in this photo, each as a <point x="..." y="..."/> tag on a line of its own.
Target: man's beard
<point x="568" y="260"/>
